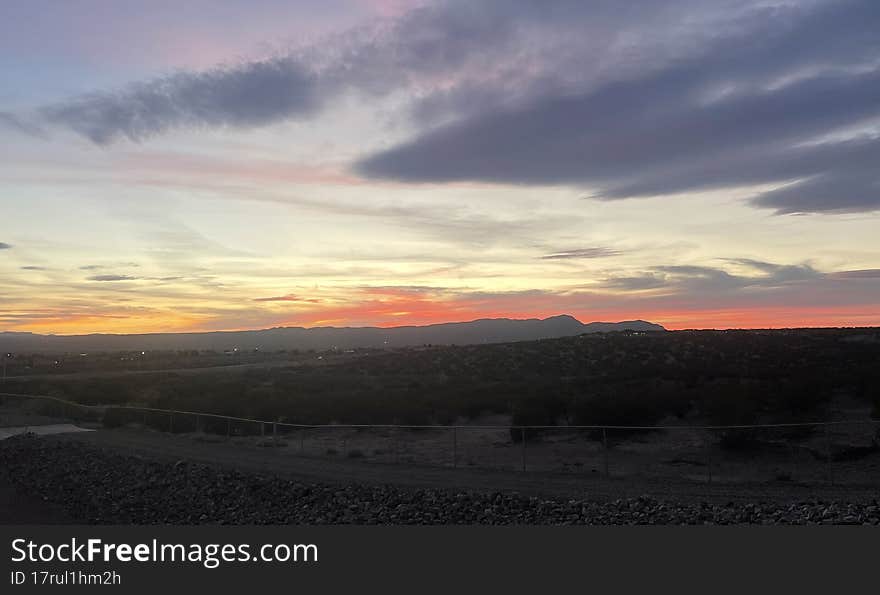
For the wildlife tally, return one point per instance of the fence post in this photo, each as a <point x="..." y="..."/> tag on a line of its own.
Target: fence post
<point x="709" y="460"/>
<point x="228" y="429"/>
<point x="170" y="423"/>
<point x="302" y="439"/>
<point x="262" y="429"/>
<point x="275" y="433"/>
<point x="198" y="423"/>
<point x="605" y="450"/>
<point x="454" y="447"/>
<point x="828" y="455"/>
<point x="522" y="434"/>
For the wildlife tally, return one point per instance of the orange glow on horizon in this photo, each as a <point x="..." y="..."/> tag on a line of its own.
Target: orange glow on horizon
<point x="770" y="319"/>
<point x="85" y="324"/>
<point x="424" y="313"/>
<point x="391" y="307"/>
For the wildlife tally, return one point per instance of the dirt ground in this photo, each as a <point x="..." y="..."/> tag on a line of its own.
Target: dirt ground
<point x="558" y="462"/>
<point x="247" y="455"/>
<point x="687" y="454"/>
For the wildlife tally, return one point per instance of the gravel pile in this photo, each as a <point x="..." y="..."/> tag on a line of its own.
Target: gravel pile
<point x="99" y="487"/>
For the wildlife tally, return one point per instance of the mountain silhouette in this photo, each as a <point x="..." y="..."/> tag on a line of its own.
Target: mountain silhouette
<point x="487" y="330"/>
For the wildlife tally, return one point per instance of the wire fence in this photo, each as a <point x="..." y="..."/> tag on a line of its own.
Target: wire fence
<point x="840" y="451"/>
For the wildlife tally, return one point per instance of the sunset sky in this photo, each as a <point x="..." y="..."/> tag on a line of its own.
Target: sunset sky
<point x="241" y="164"/>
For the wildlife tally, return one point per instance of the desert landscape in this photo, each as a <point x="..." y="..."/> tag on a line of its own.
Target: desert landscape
<point x="530" y="418"/>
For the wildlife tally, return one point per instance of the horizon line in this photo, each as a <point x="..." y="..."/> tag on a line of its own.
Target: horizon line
<point x="433" y="324"/>
<point x="316" y="327"/>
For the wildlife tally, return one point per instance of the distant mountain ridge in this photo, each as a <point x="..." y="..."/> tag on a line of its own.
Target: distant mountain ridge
<point x="486" y="330"/>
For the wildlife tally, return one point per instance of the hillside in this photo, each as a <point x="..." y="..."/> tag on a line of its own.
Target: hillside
<point x="495" y="330"/>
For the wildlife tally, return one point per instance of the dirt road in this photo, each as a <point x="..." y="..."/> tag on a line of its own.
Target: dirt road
<point x="248" y="457"/>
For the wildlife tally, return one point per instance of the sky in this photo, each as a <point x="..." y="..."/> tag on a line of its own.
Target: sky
<point x="243" y="164"/>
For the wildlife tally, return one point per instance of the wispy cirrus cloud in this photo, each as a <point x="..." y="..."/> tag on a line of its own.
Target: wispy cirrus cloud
<point x="857" y="274"/>
<point x="98" y="267"/>
<point x="674" y="295"/>
<point x="582" y="253"/>
<point x="733" y="292"/>
<point x="700" y="280"/>
<point x="289" y="298"/>
<point x="112" y="278"/>
<point x="21" y="124"/>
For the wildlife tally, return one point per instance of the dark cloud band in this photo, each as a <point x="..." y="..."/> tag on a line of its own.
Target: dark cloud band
<point x="112" y="278"/>
<point x="578" y="93"/>
<point x="757" y="107"/>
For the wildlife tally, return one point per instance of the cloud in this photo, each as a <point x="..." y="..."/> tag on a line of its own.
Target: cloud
<point x="716" y="281"/>
<point x="858" y="274"/>
<point x="431" y="51"/>
<point x="650" y="99"/>
<point x="375" y="60"/>
<point x="241" y="96"/>
<point x="733" y="292"/>
<point x="763" y="102"/>
<point x="779" y="273"/>
<point x="596" y="252"/>
<point x="21" y="124"/>
<point x="32" y="268"/>
<point x="843" y="191"/>
<point x="288" y="298"/>
<point x="112" y="278"/>
<point x="683" y="296"/>
<point x="635" y="283"/>
<point x="98" y="267"/>
<point x="5" y="246"/>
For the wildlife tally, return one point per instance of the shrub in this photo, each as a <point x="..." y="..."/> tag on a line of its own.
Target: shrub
<point x="732" y="404"/>
<point x="533" y="411"/>
<point x="620" y="406"/>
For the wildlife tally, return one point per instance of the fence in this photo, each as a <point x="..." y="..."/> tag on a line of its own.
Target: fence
<point x="845" y="452"/>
